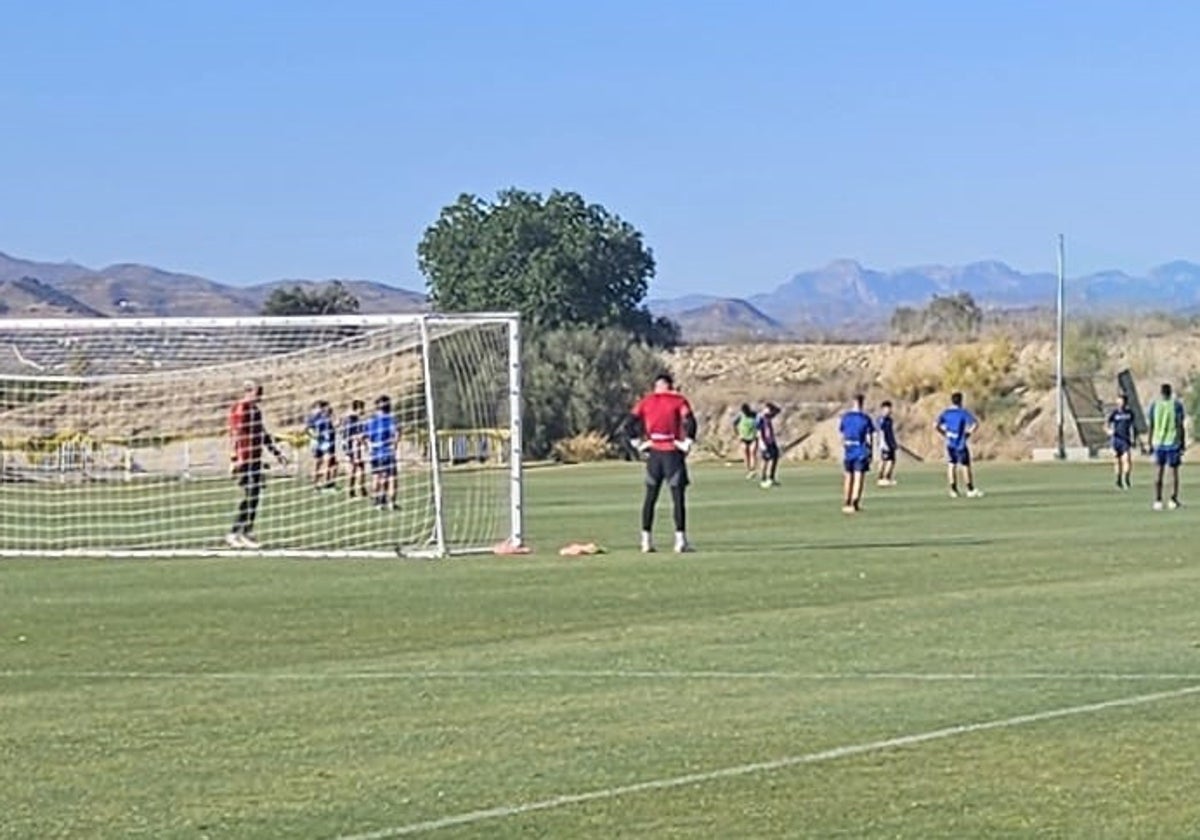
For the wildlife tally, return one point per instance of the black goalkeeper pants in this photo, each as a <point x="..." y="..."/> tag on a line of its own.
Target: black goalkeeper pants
<point x="250" y="479"/>
<point x="670" y="468"/>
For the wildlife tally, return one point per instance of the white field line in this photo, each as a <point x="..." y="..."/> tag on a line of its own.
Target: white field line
<point x="504" y="811"/>
<point x="606" y="674"/>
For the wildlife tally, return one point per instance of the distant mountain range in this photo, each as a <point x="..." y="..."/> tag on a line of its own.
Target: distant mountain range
<point x="845" y="294"/>
<point x="40" y="289"/>
<point x="842" y="296"/>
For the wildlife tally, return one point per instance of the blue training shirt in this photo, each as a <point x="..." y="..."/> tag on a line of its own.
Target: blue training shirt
<point x="320" y="429"/>
<point x="955" y="422"/>
<point x="381" y="435"/>
<point x="1121" y="423"/>
<point x="856" y="429"/>
<point x="353" y="428"/>
<point x="887" y="429"/>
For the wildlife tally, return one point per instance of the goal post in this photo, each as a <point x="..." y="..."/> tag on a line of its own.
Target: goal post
<point x="115" y="435"/>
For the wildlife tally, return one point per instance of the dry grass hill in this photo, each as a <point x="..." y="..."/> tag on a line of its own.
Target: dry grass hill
<point x="1009" y="386"/>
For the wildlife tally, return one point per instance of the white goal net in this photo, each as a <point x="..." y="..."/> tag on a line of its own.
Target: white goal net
<point x="130" y="437"/>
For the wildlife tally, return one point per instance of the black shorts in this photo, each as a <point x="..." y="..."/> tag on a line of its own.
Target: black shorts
<point x="770" y="452"/>
<point x="248" y="475"/>
<point x="887" y="455"/>
<point x="666" y="465"/>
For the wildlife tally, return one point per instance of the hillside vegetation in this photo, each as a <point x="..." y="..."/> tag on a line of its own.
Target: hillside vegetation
<point x="1009" y="386"/>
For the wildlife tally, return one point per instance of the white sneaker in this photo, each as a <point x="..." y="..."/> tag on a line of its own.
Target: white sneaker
<point x="975" y="494"/>
<point x="953" y="493"/>
<point x="249" y="542"/>
<point x="1157" y="506"/>
<point x="233" y="540"/>
<point x="883" y="482"/>
<point x="647" y="546"/>
<point x="683" y="547"/>
<point x="1173" y="504"/>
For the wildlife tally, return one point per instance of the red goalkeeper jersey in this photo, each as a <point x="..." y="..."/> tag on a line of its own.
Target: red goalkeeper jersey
<point x="246" y="433"/>
<point x="662" y="415"/>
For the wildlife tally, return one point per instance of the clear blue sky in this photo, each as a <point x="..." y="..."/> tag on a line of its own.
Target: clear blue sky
<point x="250" y="141"/>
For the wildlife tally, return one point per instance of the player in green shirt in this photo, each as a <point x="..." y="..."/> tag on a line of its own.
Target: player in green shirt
<point x="745" y="426"/>
<point x="1166" y="439"/>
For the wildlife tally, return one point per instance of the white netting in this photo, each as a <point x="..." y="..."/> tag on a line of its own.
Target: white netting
<point x="114" y="434"/>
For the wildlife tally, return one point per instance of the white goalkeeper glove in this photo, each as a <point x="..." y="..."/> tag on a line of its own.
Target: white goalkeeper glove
<point x="685" y="446"/>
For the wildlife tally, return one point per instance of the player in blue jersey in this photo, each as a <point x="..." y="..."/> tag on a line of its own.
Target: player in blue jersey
<point x="1121" y="432"/>
<point x="956" y="425"/>
<point x="354" y="446"/>
<point x="1166" y="439"/>
<point x="322" y="435"/>
<point x="768" y="445"/>
<point x="886" y="436"/>
<point x="382" y="436"/>
<point x="857" y="430"/>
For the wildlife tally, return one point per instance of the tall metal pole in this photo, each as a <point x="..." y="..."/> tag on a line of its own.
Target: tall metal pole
<point x="1059" y="379"/>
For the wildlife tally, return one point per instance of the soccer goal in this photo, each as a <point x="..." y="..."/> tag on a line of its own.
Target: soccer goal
<point x="115" y="435"/>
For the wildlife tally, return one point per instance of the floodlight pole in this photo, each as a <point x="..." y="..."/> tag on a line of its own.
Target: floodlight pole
<point x="1059" y="380"/>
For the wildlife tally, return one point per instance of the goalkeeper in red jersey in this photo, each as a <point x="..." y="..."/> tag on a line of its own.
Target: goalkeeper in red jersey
<point x="662" y="425"/>
<point x="247" y="439"/>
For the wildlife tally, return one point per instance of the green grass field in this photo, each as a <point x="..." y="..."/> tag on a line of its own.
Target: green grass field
<point x="194" y="516"/>
<point x="1023" y="665"/>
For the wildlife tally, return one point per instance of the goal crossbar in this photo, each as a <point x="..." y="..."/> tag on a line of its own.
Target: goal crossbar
<point x="250" y="322"/>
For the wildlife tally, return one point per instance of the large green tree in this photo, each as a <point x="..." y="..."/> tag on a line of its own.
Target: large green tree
<point x="579" y="380"/>
<point x="327" y="299"/>
<point x="557" y="260"/>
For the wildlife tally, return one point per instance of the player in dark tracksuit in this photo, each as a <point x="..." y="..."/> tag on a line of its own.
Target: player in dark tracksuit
<point x="886" y="433"/>
<point x="1121" y="432"/>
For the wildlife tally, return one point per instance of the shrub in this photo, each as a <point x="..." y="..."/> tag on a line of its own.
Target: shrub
<point x="945" y="317"/>
<point x="1038" y="375"/>
<point x="838" y="388"/>
<point x="1085" y="350"/>
<point x="1003" y="412"/>
<point x="983" y="370"/>
<point x="1142" y="359"/>
<point x="908" y="380"/>
<point x="582" y="448"/>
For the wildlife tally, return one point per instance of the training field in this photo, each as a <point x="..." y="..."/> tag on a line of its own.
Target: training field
<point x="1022" y="665"/>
